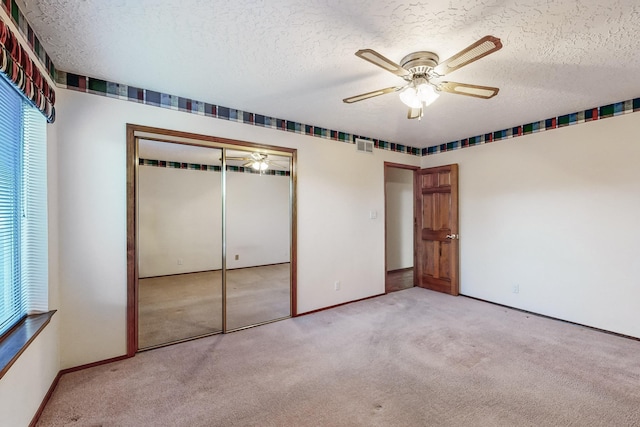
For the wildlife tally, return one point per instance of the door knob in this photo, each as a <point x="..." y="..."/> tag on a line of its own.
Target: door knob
<point x="452" y="236"/>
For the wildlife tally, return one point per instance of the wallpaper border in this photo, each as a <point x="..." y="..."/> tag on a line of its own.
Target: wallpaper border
<point x="603" y="112"/>
<point x="158" y="99"/>
<point x="213" y="168"/>
<point x="18" y="18"/>
<point x="173" y="102"/>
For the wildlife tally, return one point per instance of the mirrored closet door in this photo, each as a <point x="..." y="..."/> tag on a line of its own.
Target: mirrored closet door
<point x="258" y="238"/>
<point x="179" y="242"/>
<point x="214" y="241"/>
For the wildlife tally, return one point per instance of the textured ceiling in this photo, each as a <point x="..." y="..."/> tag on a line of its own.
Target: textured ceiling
<point x="295" y="59"/>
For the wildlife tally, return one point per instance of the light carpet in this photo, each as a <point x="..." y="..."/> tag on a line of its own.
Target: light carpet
<point x="410" y="358"/>
<point x="173" y="308"/>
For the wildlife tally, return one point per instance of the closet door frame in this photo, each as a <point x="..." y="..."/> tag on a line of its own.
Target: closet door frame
<point x="165" y="135"/>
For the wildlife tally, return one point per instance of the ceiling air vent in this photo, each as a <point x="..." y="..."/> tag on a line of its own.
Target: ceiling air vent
<point x="364" y="146"/>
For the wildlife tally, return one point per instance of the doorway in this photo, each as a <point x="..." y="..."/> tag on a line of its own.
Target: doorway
<point x="399" y="226"/>
<point x="211" y="236"/>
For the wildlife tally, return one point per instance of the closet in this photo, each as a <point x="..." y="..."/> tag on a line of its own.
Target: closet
<point x="213" y="236"/>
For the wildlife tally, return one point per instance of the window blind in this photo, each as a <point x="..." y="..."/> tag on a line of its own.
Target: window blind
<point x="34" y="257"/>
<point x="10" y="130"/>
<point x="23" y="208"/>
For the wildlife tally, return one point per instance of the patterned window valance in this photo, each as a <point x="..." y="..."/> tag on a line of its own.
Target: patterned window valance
<point x="16" y="64"/>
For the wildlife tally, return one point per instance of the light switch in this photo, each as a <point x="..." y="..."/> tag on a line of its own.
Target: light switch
<point x="373" y="214"/>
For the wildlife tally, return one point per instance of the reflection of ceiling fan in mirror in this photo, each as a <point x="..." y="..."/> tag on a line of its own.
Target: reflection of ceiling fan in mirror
<point x="419" y="69"/>
<point x="260" y="162"/>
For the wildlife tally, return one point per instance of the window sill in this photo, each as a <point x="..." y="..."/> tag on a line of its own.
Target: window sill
<point x="16" y="341"/>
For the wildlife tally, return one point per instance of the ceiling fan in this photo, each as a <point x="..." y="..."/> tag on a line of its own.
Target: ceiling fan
<point x="419" y="69"/>
<point x="259" y="161"/>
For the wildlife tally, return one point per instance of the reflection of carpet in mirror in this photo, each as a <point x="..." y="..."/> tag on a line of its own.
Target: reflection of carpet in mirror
<point x="173" y="308"/>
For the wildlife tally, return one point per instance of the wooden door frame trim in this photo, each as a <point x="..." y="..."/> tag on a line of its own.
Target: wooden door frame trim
<point x="132" y="256"/>
<point x="414" y="169"/>
<point x="132" y="131"/>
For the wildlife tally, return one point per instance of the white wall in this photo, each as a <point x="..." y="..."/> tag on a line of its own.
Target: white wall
<point x="257" y="219"/>
<point x="555" y="213"/>
<point x="180" y="220"/>
<point x="337" y="188"/>
<point x="23" y="387"/>
<point x="399" y="218"/>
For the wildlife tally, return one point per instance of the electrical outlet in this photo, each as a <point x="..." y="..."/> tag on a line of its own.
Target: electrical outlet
<point x="179" y="261"/>
<point x="515" y="289"/>
<point x="237" y="257"/>
<point x="336" y="285"/>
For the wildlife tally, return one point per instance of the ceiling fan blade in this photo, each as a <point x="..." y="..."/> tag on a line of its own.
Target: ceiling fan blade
<point x="248" y="164"/>
<point x="480" y="49"/>
<point x="484" y="92"/>
<point x="376" y="59"/>
<point x="236" y="158"/>
<point x="368" y="95"/>
<point x="414" y="113"/>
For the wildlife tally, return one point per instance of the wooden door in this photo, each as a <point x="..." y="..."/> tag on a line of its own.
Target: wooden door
<point x="436" y="204"/>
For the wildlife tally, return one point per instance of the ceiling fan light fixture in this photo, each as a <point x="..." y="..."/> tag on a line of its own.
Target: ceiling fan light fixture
<point x="409" y="96"/>
<point x="260" y="165"/>
<point x="427" y="94"/>
<point x="418" y="92"/>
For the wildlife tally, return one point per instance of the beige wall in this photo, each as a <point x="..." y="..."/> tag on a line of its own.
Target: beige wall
<point x="555" y="213"/>
<point x="337" y="188"/>
<point x="179" y="218"/>
<point x="399" y="216"/>
<point x="25" y="384"/>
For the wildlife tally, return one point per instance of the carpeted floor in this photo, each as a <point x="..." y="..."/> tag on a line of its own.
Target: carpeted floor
<point x="174" y="308"/>
<point x="410" y="358"/>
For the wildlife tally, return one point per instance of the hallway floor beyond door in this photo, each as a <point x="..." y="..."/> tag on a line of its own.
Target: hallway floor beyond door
<point x="398" y="280"/>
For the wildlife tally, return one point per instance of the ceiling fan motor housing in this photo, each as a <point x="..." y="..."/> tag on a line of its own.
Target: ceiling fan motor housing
<point x="420" y="63"/>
